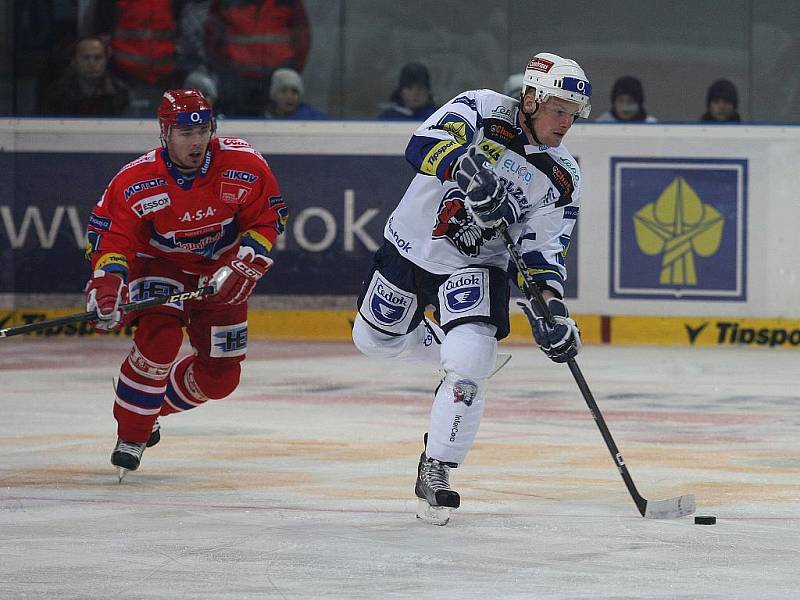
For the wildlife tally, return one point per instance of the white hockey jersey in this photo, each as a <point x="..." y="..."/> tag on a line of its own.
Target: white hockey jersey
<point x="431" y="226"/>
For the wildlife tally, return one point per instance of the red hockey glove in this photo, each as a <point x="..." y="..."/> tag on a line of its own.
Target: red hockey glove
<point x="105" y="294"/>
<point x="236" y="280"/>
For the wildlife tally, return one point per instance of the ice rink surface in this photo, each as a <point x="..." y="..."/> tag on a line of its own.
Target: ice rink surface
<point x="300" y="485"/>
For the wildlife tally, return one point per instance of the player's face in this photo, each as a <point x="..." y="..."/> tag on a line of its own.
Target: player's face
<point x="552" y="119"/>
<point x="187" y="145"/>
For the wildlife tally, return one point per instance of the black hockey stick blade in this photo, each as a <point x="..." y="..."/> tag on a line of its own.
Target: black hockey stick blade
<point x="660" y="509"/>
<point x="92" y="315"/>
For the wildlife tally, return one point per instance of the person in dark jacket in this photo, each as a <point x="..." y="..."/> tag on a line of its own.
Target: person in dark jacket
<point x="286" y="97"/>
<point x="412" y="100"/>
<point x="86" y="88"/>
<point x="722" y="102"/>
<point x="627" y="103"/>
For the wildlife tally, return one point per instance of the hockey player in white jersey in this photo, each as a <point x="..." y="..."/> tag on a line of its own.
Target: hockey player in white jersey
<point x="485" y="162"/>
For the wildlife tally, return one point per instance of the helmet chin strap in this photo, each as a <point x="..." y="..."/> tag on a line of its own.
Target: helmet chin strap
<point x="528" y="116"/>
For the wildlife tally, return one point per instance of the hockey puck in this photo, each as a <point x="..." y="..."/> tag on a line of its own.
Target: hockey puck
<point x="705" y="520"/>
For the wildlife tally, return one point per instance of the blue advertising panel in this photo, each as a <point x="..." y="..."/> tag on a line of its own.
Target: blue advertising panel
<point x="678" y="229"/>
<point x="338" y="206"/>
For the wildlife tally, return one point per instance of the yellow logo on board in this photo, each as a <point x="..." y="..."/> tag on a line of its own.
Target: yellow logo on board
<point x="678" y="225"/>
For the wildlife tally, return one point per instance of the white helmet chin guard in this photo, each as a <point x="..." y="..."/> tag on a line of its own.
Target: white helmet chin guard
<point x="552" y="75"/>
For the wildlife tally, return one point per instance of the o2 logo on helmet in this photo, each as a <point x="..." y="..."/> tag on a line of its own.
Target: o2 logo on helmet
<point x="195" y="117"/>
<point x="573" y="84"/>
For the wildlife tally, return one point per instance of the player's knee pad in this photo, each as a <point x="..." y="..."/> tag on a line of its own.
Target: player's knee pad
<point x="215" y="380"/>
<point x="156" y="343"/>
<point x="372" y="342"/>
<point x="471" y="350"/>
<point x="158" y="337"/>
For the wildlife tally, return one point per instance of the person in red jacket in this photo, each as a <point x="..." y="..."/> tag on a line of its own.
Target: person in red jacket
<point x="144" y="39"/>
<point x="198" y="209"/>
<point x="247" y="40"/>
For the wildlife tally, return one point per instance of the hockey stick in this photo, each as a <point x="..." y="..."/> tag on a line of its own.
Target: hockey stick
<point x="92" y="315"/>
<point x="673" y="508"/>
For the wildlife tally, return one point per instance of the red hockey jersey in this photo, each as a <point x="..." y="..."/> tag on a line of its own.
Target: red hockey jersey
<point x="150" y="209"/>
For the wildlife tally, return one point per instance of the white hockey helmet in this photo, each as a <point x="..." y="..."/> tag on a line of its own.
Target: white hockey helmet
<point x="552" y="75"/>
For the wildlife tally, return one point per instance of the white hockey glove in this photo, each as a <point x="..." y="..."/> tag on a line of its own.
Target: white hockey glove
<point x="485" y="195"/>
<point x="560" y="341"/>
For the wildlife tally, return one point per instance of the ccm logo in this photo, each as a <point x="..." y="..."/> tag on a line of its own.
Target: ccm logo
<point x="245" y="269"/>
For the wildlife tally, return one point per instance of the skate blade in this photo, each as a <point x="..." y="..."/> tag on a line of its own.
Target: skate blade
<point x="121" y="472"/>
<point x="435" y="515"/>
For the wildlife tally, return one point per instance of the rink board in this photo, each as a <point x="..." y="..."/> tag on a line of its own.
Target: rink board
<point x="675" y="220"/>
<point x="320" y="325"/>
<point x="335" y="325"/>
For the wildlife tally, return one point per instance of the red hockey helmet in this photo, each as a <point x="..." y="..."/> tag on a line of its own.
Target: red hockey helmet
<point x="184" y="108"/>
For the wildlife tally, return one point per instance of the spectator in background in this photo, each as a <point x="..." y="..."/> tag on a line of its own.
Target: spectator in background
<point x="143" y="39"/>
<point x="206" y="84"/>
<point x="44" y="37"/>
<point x="247" y="40"/>
<point x="627" y="103"/>
<point x="86" y="88"/>
<point x="412" y="100"/>
<point x="722" y="102"/>
<point x="285" y="97"/>
<point x="513" y="86"/>
<point x="191" y="52"/>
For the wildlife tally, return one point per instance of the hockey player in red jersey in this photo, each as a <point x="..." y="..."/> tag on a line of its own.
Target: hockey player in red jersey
<point x="199" y="209"/>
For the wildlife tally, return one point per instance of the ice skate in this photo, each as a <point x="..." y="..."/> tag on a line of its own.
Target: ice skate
<point x="436" y="499"/>
<point x="126" y="457"/>
<point x="155" y="434"/>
